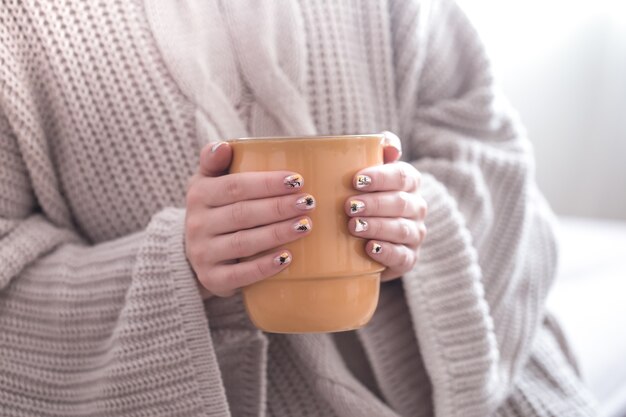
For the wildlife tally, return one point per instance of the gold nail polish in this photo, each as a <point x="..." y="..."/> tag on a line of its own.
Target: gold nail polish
<point x="294" y="181"/>
<point x="356" y="206"/>
<point x="360" y="225"/>
<point x="377" y="248"/>
<point x="363" y="181"/>
<point x="282" y="259"/>
<point x="306" y="203"/>
<point x="302" y="225"/>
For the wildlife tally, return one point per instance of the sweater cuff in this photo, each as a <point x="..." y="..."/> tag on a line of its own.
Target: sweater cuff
<point x="194" y="321"/>
<point x="450" y="315"/>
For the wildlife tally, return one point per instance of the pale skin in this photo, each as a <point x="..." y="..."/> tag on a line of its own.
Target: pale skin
<point x="232" y="216"/>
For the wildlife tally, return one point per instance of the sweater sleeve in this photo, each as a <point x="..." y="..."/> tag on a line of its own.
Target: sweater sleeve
<point x="116" y="328"/>
<point x="477" y="295"/>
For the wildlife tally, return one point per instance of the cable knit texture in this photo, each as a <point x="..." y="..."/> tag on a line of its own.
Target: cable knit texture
<point x="103" y="109"/>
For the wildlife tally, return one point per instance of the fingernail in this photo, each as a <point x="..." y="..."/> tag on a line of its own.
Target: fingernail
<point x="302" y="225"/>
<point x="377" y="248"/>
<point x="360" y="225"/>
<point x="294" y="181"/>
<point x="215" y="146"/>
<point x="282" y="259"/>
<point x="356" y="206"/>
<point x="391" y="139"/>
<point x="363" y="181"/>
<point x="306" y="203"/>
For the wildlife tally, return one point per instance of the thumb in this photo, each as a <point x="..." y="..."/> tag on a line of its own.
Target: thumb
<point x="215" y="158"/>
<point x="392" y="147"/>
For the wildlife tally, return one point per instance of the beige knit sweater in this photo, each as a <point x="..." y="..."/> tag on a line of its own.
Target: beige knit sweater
<point x="103" y="109"/>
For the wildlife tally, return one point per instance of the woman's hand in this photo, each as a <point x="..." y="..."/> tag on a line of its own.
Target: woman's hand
<point x="390" y="213"/>
<point x="239" y="215"/>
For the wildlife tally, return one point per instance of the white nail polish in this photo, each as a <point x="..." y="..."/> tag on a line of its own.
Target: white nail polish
<point x="306" y="203"/>
<point x="282" y="259"/>
<point x="302" y="225"/>
<point x="377" y="248"/>
<point x="360" y="225"/>
<point x="363" y="181"/>
<point x="294" y="181"/>
<point x="215" y="146"/>
<point x="356" y="206"/>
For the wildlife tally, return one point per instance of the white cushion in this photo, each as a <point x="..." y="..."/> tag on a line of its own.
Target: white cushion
<point x="589" y="299"/>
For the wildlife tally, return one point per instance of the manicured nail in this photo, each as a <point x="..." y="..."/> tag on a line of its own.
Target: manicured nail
<point x="360" y="225"/>
<point x="215" y="146"/>
<point x="391" y="139"/>
<point x="363" y="181"/>
<point x="294" y="181"/>
<point x="356" y="206"/>
<point x="282" y="259"/>
<point x="377" y="248"/>
<point x="302" y="225"/>
<point x="306" y="203"/>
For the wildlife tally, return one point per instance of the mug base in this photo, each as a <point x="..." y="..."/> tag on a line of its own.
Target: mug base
<point x="313" y="305"/>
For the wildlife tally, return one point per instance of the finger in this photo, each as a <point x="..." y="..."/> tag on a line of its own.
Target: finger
<point x="387" y="204"/>
<point x="399" y="176"/>
<point x="223" y="280"/>
<point x="252" y="213"/>
<point x="252" y="241"/>
<point x="215" y="158"/>
<point x="392" y="147"/>
<point x="229" y="189"/>
<point x="395" y="230"/>
<point x="396" y="257"/>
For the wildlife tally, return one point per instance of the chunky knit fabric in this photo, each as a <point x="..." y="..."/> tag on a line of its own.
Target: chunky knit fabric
<point x="103" y="109"/>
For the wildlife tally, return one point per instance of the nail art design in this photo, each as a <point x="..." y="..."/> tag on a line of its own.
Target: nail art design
<point x="282" y="259"/>
<point x="294" y="181"/>
<point x="360" y="225"/>
<point x="377" y="248"/>
<point x="356" y="206"/>
<point x="306" y="203"/>
<point x="302" y="225"/>
<point x="363" y="181"/>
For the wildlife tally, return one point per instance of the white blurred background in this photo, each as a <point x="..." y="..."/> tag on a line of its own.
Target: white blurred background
<point x="563" y="66"/>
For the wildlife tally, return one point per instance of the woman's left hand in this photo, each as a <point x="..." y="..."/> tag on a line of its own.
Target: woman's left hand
<point x="390" y="213"/>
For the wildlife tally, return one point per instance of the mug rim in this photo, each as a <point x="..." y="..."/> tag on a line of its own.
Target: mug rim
<point x="306" y="137"/>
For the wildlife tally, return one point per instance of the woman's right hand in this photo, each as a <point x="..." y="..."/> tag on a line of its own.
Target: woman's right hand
<point x="231" y="216"/>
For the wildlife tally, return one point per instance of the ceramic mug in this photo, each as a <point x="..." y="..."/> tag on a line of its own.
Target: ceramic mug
<point x="331" y="284"/>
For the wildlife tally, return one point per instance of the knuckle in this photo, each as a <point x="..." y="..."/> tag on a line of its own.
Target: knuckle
<point x="279" y="208"/>
<point x="268" y="184"/>
<point x="405" y="231"/>
<point x="194" y="195"/>
<point x="423" y="231"/>
<point x="193" y="226"/>
<point x="190" y="182"/>
<point x="405" y="202"/>
<point x="424" y="208"/>
<point x="376" y="205"/>
<point x="403" y="176"/>
<point x="234" y="190"/>
<point x="418" y="178"/>
<point x="222" y="285"/>
<point x="238" y="214"/>
<point x="376" y="227"/>
<point x="195" y="253"/>
<point x="259" y="271"/>
<point x="277" y="234"/>
<point x="238" y="244"/>
<point x="406" y="260"/>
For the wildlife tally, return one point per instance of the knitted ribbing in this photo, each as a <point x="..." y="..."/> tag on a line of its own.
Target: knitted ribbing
<point x="101" y="119"/>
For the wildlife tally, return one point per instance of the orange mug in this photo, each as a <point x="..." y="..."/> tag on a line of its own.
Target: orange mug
<point x="331" y="284"/>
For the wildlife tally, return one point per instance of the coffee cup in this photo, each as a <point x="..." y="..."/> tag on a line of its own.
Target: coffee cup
<point x="331" y="284"/>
